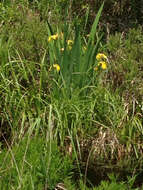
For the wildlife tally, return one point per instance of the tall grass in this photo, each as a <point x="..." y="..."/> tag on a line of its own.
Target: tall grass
<point x="63" y="113"/>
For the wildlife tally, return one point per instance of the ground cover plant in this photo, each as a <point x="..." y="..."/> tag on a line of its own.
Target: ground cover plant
<point x="71" y="99"/>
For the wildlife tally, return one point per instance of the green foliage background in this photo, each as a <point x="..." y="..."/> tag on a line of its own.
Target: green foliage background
<point x="58" y="128"/>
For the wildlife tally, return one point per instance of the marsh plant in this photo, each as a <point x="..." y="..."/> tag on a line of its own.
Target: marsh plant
<point x="73" y="59"/>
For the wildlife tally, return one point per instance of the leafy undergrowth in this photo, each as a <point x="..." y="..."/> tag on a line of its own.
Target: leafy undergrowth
<point x="71" y="105"/>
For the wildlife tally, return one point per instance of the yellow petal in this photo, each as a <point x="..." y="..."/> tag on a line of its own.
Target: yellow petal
<point x="49" y="39"/>
<point x="55" y="37"/>
<point x="103" y="65"/>
<point x="57" y="67"/>
<point x="101" y="56"/>
<point x="69" y="42"/>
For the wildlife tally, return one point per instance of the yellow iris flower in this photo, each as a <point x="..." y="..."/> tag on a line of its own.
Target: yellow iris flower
<point x="103" y="65"/>
<point x="57" y="67"/>
<point x="101" y="56"/>
<point x="53" y="37"/>
<point x="102" y="61"/>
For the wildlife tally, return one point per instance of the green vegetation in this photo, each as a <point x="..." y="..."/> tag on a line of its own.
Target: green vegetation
<point x="71" y="95"/>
